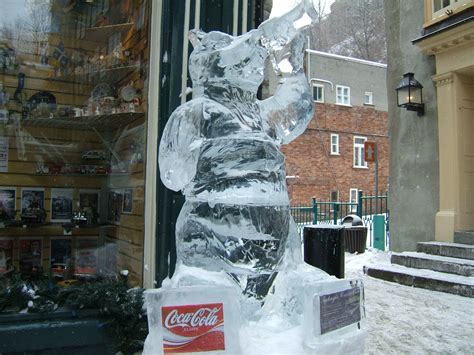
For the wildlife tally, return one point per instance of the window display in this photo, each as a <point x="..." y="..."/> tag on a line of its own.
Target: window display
<point x="73" y="118"/>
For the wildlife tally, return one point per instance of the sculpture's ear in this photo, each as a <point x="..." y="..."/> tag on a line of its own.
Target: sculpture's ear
<point x="195" y="37"/>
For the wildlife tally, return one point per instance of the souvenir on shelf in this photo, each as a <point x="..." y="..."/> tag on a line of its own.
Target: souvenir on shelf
<point x="42" y="104"/>
<point x="128" y="93"/>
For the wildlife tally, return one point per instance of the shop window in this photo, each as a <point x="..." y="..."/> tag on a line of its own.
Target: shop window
<point x="343" y="95"/>
<point x="334" y="144"/>
<point x="73" y="114"/>
<point x="359" y="161"/>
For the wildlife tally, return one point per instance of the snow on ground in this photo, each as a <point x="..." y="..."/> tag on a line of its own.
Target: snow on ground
<point x="403" y="319"/>
<point x="400" y="319"/>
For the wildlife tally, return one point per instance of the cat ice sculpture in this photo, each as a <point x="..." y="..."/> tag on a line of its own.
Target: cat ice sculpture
<point x="222" y="150"/>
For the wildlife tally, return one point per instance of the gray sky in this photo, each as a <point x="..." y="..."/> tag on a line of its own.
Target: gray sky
<point x="11" y="9"/>
<point x="282" y="6"/>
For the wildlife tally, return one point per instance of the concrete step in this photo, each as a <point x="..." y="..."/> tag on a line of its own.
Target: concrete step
<point x="445" y="264"/>
<point x="464" y="237"/>
<point x="428" y="279"/>
<point x="453" y="250"/>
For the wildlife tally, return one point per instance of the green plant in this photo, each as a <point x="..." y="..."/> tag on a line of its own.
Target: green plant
<point x="120" y="306"/>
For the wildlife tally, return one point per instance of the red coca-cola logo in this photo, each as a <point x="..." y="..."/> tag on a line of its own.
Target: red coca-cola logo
<point x="193" y="328"/>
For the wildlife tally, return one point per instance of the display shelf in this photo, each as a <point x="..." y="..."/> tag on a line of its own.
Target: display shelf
<point x="109" y="75"/>
<point x="99" y="122"/>
<point x="17" y="229"/>
<point x="102" y="33"/>
<point x="87" y="175"/>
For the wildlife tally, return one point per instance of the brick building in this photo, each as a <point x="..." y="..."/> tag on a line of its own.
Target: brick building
<point x="327" y="161"/>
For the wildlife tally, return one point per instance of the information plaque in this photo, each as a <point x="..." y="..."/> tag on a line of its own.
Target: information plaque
<point x="339" y="309"/>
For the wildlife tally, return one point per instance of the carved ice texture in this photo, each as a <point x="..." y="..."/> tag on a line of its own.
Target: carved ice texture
<point x="222" y="150"/>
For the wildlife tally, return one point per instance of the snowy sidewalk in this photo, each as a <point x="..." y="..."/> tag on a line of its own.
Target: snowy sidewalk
<point x="402" y="319"/>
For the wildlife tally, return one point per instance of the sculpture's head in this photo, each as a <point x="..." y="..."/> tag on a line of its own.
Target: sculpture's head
<point x="219" y="58"/>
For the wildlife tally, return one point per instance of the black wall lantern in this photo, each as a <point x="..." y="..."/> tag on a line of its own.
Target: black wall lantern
<point x="409" y="94"/>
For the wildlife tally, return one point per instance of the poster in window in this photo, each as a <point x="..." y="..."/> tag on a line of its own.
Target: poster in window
<point x="3" y="154"/>
<point x="32" y="205"/>
<point x="127" y="201"/>
<point x="60" y="260"/>
<point x="86" y="257"/>
<point x="61" y="205"/>
<point x="30" y="256"/>
<point x="6" y="255"/>
<point x="89" y="202"/>
<point x="7" y="203"/>
<point x="115" y="205"/>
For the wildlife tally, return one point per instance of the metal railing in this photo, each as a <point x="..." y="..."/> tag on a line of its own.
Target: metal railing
<point x="332" y="212"/>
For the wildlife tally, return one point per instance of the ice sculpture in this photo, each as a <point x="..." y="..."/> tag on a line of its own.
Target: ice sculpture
<point x="222" y="150"/>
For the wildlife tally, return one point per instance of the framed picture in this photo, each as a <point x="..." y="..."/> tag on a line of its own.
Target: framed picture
<point x="89" y="203"/>
<point x="61" y="205"/>
<point x="115" y="201"/>
<point x="3" y="154"/>
<point x="60" y="256"/>
<point x="7" y="203"/>
<point x="86" y="257"/>
<point x="31" y="251"/>
<point x="32" y="205"/>
<point x="6" y="255"/>
<point x="127" y="201"/>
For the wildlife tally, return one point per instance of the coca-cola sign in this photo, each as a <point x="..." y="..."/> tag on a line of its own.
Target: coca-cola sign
<point x="193" y="328"/>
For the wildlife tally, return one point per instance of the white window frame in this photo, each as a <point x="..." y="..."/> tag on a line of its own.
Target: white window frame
<point x="368" y="98"/>
<point x="358" y="152"/>
<point x="334" y="146"/>
<point x="351" y="200"/>
<point x="343" y="95"/>
<point x="315" y="99"/>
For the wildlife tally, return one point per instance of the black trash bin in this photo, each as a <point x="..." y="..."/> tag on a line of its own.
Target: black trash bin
<point x="355" y="234"/>
<point x="324" y="248"/>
